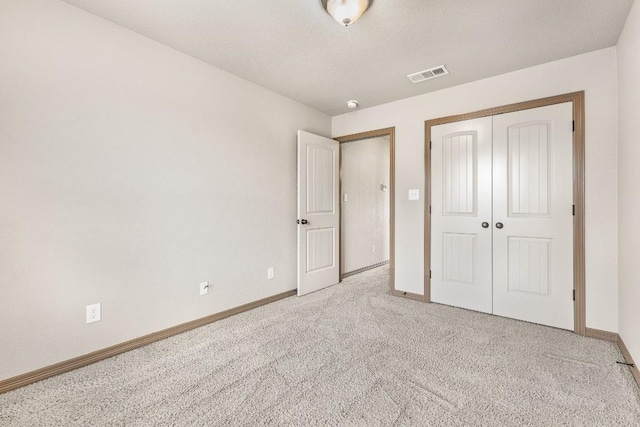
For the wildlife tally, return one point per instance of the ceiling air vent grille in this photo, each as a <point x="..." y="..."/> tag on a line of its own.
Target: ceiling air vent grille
<point x="429" y="74"/>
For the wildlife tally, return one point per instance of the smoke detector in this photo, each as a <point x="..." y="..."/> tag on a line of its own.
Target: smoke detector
<point x="429" y="74"/>
<point x="352" y="104"/>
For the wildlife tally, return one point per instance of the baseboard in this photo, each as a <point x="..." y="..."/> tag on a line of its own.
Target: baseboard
<point x="627" y="358"/>
<point x="363" y="269"/>
<point x="407" y="295"/>
<point x="601" y="335"/>
<point x="96" y="356"/>
<point x="615" y="338"/>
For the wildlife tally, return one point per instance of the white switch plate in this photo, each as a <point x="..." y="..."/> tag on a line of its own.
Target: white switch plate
<point x="204" y="288"/>
<point x="93" y="313"/>
<point x="345" y="197"/>
<point x="414" y="194"/>
<point x="271" y="273"/>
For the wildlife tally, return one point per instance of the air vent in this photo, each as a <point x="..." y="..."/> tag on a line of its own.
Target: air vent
<point x="429" y="74"/>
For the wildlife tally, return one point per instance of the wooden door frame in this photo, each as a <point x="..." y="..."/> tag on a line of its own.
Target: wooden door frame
<point x="577" y="100"/>
<point x="390" y="132"/>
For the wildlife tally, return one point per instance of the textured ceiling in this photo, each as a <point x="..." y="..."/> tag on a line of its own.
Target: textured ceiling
<point x="294" y="48"/>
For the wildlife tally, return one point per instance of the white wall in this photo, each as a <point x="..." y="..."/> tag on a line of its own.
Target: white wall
<point x="629" y="181"/>
<point x="131" y="172"/>
<point x="595" y="73"/>
<point x="364" y="227"/>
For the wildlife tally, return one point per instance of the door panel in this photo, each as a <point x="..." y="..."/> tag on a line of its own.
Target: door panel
<point x="528" y="265"/>
<point x="460" y="203"/>
<point x="458" y="256"/>
<point x="533" y="199"/>
<point x="529" y="170"/>
<point x="320" y="178"/>
<point x="320" y="248"/>
<point x="318" y="212"/>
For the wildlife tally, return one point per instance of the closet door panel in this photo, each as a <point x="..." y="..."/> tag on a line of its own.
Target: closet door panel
<point x="460" y="203"/>
<point x="532" y="214"/>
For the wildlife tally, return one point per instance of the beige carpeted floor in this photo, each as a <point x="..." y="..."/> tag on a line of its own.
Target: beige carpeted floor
<point x="348" y="355"/>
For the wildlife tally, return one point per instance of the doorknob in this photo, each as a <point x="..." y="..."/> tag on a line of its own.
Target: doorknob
<point x="304" y="221"/>
<point x="499" y="225"/>
<point x="485" y="225"/>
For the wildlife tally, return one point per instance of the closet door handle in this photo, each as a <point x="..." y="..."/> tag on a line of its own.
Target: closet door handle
<point x="499" y="225"/>
<point x="485" y="225"/>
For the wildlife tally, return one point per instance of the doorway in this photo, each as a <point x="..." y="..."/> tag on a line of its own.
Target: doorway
<point x="488" y="250"/>
<point x="367" y="202"/>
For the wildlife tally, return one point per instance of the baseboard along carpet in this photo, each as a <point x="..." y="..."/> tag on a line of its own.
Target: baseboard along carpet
<point x="348" y="355"/>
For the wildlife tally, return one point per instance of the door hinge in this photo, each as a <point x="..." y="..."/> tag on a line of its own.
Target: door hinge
<point x="574" y="294"/>
<point x="573" y="125"/>
<point x="574" y="210"/>
<point x="429" y="208"/>
<point x="429" y="274"/>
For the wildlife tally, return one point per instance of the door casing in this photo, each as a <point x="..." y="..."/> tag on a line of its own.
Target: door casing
<point x="577" y="100"/>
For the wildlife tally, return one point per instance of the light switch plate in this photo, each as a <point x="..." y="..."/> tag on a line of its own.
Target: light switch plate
<point x="414" y="194"/>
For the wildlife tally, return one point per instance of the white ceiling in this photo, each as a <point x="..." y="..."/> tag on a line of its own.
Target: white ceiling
<point x="294" y="48"/>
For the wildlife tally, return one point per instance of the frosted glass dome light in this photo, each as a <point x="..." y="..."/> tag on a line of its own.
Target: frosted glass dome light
<point x="346" y="12"/>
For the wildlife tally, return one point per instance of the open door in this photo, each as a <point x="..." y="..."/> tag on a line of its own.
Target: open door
<point x="318" y="212"/>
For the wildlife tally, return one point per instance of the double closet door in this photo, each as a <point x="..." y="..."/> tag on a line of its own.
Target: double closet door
<point x="502" y="215"/>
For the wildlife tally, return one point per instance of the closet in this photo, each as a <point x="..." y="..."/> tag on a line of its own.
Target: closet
<point x="502" y="214"/>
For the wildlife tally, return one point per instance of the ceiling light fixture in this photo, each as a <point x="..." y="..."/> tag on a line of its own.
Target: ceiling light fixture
<point x="346" y="12"/>
<point x="352" y="104"/>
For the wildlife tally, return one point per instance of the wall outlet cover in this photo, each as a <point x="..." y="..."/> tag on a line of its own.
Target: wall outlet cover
<point x="414" y="194"/>
<point x="271" y="273"/>
<point x="93" y="313"/>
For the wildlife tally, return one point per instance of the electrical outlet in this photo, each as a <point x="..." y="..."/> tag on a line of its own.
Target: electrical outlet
<point x="204" y="288"/>
<point x="271" y="273"/>
<point x="93" y="313"/>
<point x="373" y="249"/>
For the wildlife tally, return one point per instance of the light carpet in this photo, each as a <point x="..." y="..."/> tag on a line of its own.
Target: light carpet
<point x="347" y="355"/>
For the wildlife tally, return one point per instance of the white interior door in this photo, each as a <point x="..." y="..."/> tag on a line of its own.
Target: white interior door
<point x="533" y="200"/>
<point x="318" y="212"/>
<point x="461" y="214"/>
<point x="511" y="173"/>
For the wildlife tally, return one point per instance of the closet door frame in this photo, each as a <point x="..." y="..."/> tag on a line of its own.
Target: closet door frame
<point x="577" y="100"/>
